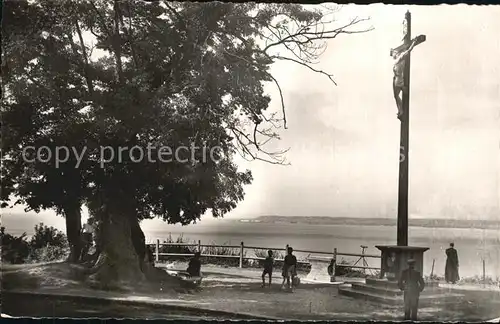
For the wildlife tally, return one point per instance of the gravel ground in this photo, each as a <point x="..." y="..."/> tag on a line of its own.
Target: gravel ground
<point x="308" y="303"/>
<point x="37" y="306"/>
<point x="238" y="290"/>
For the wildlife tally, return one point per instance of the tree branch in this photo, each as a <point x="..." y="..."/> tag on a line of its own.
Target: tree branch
<point x="330" y="76"/>
<point x="88" y="77"/>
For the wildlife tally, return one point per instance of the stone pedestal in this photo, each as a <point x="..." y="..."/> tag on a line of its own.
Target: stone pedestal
<point x="394" y="259"/>
<point x="385" y="289"/>
<point x="387" y="292"/>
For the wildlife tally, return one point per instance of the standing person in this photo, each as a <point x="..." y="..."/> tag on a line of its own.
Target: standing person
<point x="268" y="268"/>
<point x="87" y="238"/>
<point x="451" y="269"/>
<point x="331" y="270"/>
<point x="412" y="283"/>
<point x="289" y="268"/>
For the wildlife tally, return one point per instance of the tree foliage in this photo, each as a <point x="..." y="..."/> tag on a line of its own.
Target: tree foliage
<point x="173" y="74"/>
<point x="108" y="73"/>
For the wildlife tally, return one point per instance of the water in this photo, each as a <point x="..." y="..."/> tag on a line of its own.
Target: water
<point x="473" y="245"/>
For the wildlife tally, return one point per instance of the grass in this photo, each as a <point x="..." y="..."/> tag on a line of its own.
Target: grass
<point x="223" y="250"/>
<point x="474" y="280"/>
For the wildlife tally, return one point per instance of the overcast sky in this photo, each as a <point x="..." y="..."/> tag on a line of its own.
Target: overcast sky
<point x="344" y="140"/>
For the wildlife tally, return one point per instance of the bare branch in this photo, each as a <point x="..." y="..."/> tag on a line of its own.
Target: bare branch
<point x="281" y="98"/>
<point x="275" y="156"/>
<point x="330" y="76"/>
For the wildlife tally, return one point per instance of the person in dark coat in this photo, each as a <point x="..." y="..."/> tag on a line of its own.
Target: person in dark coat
<point x="194" y="267"/>
<point x="412" y="283"/>
<point x="451" y="269"/>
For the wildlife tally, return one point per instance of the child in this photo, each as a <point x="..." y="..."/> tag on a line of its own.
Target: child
<point x="268" y="268"/>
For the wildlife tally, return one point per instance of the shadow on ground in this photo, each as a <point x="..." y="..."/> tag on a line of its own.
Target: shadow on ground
<point x="224" y="292"/>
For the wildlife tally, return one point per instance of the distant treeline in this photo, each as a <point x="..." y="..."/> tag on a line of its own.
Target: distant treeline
<point x="422" y="222"/>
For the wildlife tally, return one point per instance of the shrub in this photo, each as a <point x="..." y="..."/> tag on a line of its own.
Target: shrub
<point x="223" y="250"/>
<point x="48" y="253"/>
<point x="480" y="280"/>
<point x="214" y="250"/>
<point x="47" y="244"/>
<point x="15" y="249"/>
<point x="45" y="236"/>
<point x="474" y="280"/>
<point x="177" y="248"/>
<point x="277" y="254"/>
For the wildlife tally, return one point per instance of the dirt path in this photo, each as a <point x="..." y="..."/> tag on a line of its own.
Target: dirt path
<point x="238" y="290"/>
<point x="308" y="302"/>
<point x="41" y="306"/>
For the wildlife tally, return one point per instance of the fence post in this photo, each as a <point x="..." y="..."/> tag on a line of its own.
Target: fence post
<point x="157" y="250"/>
<point x="241" y="255"/>
<point x="432" y="269"/>
<point x="484" y="271"/>
<point x="199" y="246"/>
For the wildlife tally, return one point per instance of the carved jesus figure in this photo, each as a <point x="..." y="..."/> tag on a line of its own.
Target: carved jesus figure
<point x="398" y="80"/>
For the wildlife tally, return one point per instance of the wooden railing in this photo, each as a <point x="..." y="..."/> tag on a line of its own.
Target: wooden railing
<point x="241" y="255"/>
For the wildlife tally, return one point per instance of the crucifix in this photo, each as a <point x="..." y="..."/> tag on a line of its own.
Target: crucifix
<point x="395" y="258"/>
<point x="401" y="86"/>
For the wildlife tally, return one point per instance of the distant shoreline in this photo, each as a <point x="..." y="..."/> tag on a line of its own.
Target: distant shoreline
<point x="24" y="222"/>
<point x="422" y="222"/>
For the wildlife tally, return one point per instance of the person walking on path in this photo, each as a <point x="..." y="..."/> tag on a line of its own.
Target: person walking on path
<point x="451" y="269"/>
<point x="289" y="268"/>
<point x="268" y="268"/>
<point x="412" y="283"/>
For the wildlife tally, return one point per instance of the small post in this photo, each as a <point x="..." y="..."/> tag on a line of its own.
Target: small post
<point x="484" y="271"/>
<point x="383" y="262"/>
<point x="241" y="254"/>
<point x="432" y="269"/>
<point x="199" y="246"/>
<point x="157" y="250"/>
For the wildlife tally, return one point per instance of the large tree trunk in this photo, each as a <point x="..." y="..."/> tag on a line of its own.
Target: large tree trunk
<point x="118" y="263"/>
<point x="73" y="227"/>
<point x="124" y="261"/>
<point x="146" y="263"/>
<point x="138" y="240"/>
